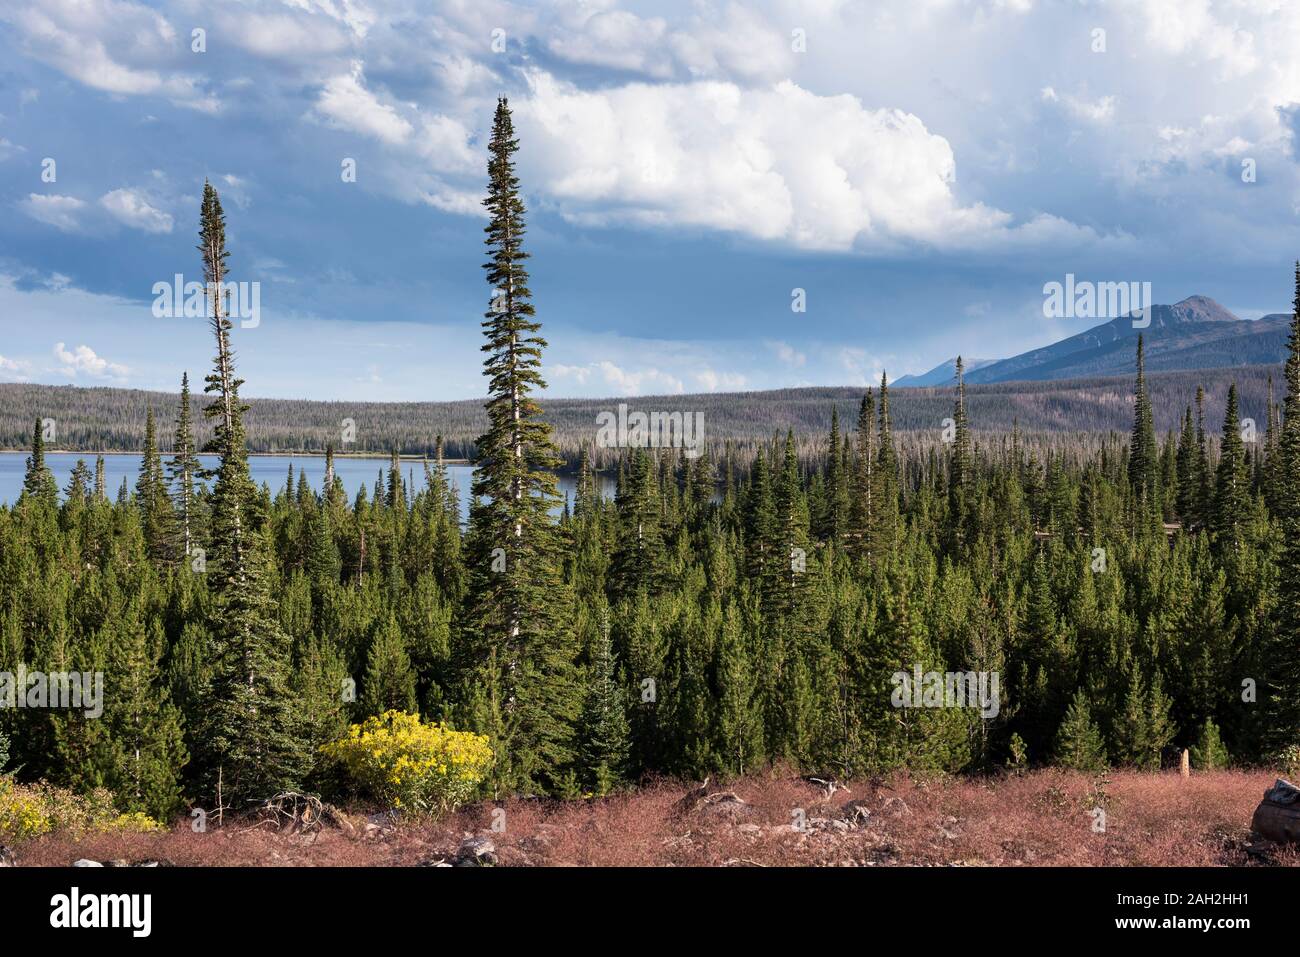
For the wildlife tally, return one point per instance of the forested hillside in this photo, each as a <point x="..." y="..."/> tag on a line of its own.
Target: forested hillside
<point x="94" y="420"/>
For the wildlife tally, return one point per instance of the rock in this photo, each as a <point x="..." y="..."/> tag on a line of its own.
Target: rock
<point x="150" y="862"/>
<point x="7" y="858"/>
<point x="84" y="862"/>
<point x="477" y="852"/>
<point x="119" y="862"/>
<point x="895" y="807"/>
<point x="1277" y="818"/>
<point x="856" y="812"/>
<point x="725" y="804"/>
<point x="439" y="862"/>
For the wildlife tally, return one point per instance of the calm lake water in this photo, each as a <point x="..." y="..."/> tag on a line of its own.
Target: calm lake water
<point x="269" y="469"/>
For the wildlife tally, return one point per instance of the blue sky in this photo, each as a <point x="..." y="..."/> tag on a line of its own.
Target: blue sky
<point x="921" y="168"/>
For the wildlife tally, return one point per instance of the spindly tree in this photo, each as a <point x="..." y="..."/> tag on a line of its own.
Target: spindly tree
<point x="1232" y="482"/>
<point x="151" y="497"/>
<point x="1143" y="456"/>
<point x="39" y="481"/>
<point x="603" y="727"/>
<point x="183" y="467"/>
<point x="519" y="647"/>
<point x="1280" y="689"/>
<point x="251" y="742"/>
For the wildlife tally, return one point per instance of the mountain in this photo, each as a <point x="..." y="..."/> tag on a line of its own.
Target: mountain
<point x="1196" y="333"/>
<point x="945" y="373"/>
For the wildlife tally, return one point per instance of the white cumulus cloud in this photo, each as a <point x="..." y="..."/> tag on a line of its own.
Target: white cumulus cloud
<point x="61" y="212"/>
<point x="130" y="208"/>
<point x="775" y="163"/>
<point x="84" y="361"/>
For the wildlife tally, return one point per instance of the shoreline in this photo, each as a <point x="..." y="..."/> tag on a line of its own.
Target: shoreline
<point x="282" y="455"/>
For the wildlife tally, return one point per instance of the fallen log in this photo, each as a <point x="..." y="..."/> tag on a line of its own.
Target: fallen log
<point x="1278" y="816"/>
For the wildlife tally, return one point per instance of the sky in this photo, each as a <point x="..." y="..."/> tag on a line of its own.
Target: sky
<point x="913" y="172"/>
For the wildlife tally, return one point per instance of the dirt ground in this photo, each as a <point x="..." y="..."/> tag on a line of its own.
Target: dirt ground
<point x="1041" y="818"/>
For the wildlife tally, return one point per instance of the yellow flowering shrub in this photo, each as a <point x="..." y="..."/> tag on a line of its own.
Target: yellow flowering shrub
<point x="134" y="821"/>
<point x="29" y="810"/>
<point x="410" y="765"/>
<point x="21" y="815"/>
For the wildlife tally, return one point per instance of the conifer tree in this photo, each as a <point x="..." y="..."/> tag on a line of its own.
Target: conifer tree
<point x="1078" y="744"/>
<point x="960" y="467"/>
<point x="151" y="497"/>
<point x="78" y="490"/>
<point x="740" y="722"/>
<point x="1204" y="474"/>
<point x="884" y="532"/>
<point x="833" y="520"/>
<point x="1188" y="477"/>
<point x="183" y="467"/>
<point x="251" y="745"/>
<point x="792" y="528"/>
<point x="638" y="553"/>
<point x="603" y="732"/>
<point x="862" y="509"/>
<point x="1280" y="687"/>
<point x="389" y="682"/>
<point x="38" y="482"/>
<point x="1231" y="489"/>
<point x="1208" y="753"/>
<point x="1143" y="467"/>
<point x="520" y="650"/>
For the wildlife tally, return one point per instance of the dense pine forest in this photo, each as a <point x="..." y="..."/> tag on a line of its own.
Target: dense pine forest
<point x="721" y="613"/>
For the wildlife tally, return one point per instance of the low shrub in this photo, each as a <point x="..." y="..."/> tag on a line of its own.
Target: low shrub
<point x="30" y="810"/>
<point x="412" y="766"/>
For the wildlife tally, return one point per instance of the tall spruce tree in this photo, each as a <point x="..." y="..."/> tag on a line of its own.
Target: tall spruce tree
<point x="151" y="497"/>
<point x="183" y="467"/>
<point x="603" y="727"/>
<point x="520" y="650"/>
<point x="1280" y="688"/>
<point x="250" y="737"/>
<point x="960" y="466"/>
<point x="1143" y="463"/>
<point x="1232" y="498"/>
<point x="38" y="482"/>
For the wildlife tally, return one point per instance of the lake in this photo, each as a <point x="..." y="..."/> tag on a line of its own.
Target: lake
<point x="354" y="471"/>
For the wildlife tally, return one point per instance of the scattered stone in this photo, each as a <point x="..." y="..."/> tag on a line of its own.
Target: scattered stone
<point x="477" y="852"/>
<point x="85" y="862"/>
<point x="895" y="807"/>
<point x="7" y="858"/>
<point x="856" y="812"/>
<point x="724" y="804"/>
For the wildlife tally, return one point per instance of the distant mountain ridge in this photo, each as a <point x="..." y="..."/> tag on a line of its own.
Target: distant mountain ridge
<point x="1196" y="333"/>
<point x="945" y="373"/>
